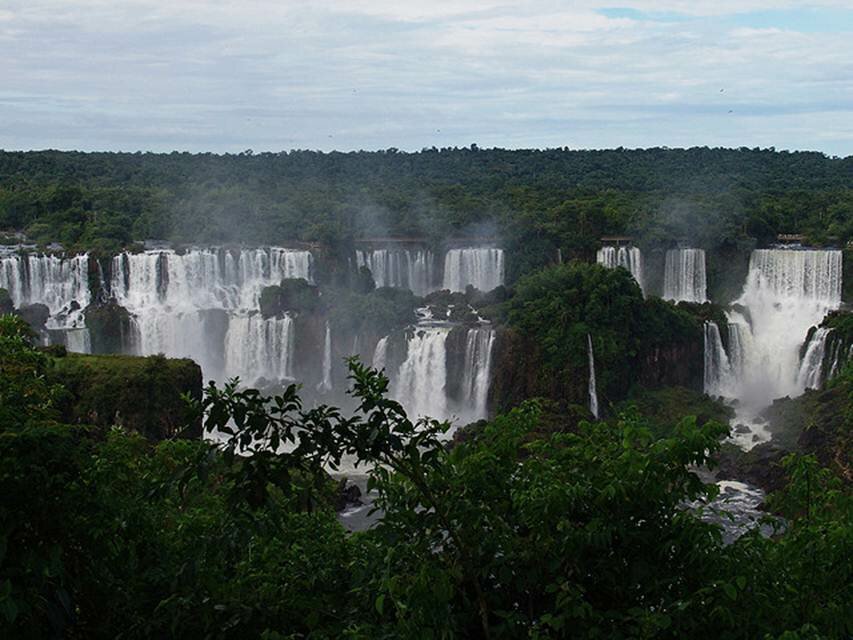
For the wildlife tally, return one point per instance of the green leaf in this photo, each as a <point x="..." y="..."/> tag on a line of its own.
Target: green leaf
<point x="380" y="604"/>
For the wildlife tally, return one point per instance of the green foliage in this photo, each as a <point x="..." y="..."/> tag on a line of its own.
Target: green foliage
<point x="557" y="308"/>
<point x="26" y="396"/>
<point x="142" y="394"/>
<point x="581" y="533"/>
<point x="380" y="311"/>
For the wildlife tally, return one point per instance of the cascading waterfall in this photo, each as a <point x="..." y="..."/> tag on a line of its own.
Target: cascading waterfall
<point x="593" y="393"/>
<point x="421" y="380"/>
<point x="629" y="258"/>
<point x="203" y="304"/>
<point x="259" y="349"/>
<point x="684" y="276"/>
<point x="169" y="294"/>
<point x="481" y="267"/>
<point x="59" y="283"/>
<point x="787" y="292"/>
<point x="477" y="373"/>
<point x="403" y="268"/>
<point x="810" y="375"/>
<point x="326" y="382"/>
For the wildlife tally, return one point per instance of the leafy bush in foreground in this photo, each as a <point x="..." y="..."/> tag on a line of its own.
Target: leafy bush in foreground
<point x="582" y="534"/>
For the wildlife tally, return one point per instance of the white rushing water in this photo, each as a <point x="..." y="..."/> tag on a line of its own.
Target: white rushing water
<point x="787" y="292"/>
<point x="421" y="380"/>
<point x="171" y="295"/>
<point x="60" y="283"/>
<point x="204" y="304"/>
<point x="326" y="382"/>
<point x="629" y="258"/>
<point x="259" y="349"/>
<point x="593" y="393"/>
<point x="684" y="276"/>
<point x="480" y="266"/>
<point x="412" y="269"/>
<point x="476" y="376"/>
<point x="811" y="372"/>
<point x="420" y="383"/>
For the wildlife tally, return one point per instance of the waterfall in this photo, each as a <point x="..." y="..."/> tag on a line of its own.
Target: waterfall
<point x="593" y="394"/>
<point x="477" y="371"/>
<point x="629" y="258"/>
<point x="259" y="349"/>
<point x="718" y="369"/>
<point x="787" y="291"/>
<point x="59" y="283"/>
<point x="481" y="267"/>
<point x="402" y="268"/>
<point x="203" y="278"/>
<point x="810" y="375"/>
<point x="326" y="383"/>
<point x="421" y="379"/>
<point x="169" y="294"/>
<point x="684" y="276"/>
<point x="380" y="354"/>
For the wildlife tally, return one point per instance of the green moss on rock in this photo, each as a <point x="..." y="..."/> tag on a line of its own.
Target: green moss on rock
<point x="139" y="394"/>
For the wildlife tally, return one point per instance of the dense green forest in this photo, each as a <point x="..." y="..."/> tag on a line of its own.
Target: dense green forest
<point x="536" y="201"/>
<point x="527" y="528"/>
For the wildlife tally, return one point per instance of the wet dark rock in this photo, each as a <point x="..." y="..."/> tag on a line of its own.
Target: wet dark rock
<point x="6" y="305"/>
<point x="35" y="315"/>
<point x="348" y="495"/>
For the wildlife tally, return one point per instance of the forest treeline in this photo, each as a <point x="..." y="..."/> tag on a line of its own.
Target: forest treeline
<point x="535" y="201"/>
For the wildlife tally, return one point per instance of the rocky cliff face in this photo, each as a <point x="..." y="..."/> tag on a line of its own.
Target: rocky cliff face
<point x="672" y="365"/>
<point x="519" y="375"/>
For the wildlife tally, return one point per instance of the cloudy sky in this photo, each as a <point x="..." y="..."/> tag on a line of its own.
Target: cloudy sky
<point x="208" y="75"/>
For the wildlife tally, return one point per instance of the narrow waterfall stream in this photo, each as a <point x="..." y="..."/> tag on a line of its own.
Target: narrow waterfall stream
<point x="326" y="382"/>
<point x="593" y="393"/>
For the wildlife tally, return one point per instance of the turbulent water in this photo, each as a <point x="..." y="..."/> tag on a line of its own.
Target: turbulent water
<point x="61" y="284"/>
<point x="684" y="276"/>
<point x="593" y="393"/>
<point x="404" y="268"/>
<point x="421" y="380"/>
<point x="786" y="293"/>
<point x="629" y="258"/>
<point x="481" y="267"/>
<point x="260" y="349"/>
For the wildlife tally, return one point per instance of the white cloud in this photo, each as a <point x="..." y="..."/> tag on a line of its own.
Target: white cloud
<point x="375" y="73"/>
